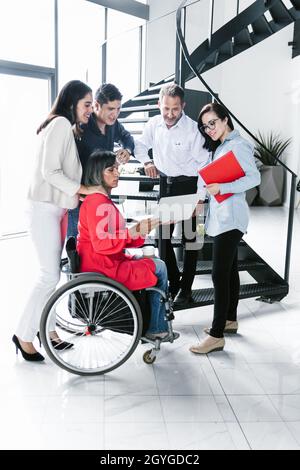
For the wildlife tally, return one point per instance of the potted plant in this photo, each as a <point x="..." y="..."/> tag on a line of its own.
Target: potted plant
<point x="272" y="173"/>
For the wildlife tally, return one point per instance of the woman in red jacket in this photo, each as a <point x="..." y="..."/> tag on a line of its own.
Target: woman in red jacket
<point x="103" y="237"/>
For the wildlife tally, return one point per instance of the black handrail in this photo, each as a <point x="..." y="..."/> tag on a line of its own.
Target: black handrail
<point x="216" y="97"/>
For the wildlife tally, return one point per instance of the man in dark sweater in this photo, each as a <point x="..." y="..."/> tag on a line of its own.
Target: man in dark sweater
<point x="103" y="132"/>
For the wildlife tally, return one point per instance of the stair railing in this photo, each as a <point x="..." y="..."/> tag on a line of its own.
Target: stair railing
<point x="188" y="60"/>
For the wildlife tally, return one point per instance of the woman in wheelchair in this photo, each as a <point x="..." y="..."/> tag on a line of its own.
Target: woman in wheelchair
<point x="103" y="236"/>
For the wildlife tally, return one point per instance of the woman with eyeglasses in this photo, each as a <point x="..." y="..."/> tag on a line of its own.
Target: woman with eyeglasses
<point x="226" y="222"/>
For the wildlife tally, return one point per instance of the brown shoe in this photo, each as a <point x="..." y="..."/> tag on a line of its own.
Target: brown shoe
<point x="231" y="328"/>
<point x="209" y="344"/>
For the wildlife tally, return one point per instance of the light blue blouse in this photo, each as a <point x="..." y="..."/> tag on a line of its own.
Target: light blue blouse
<point x="233" y="213"/>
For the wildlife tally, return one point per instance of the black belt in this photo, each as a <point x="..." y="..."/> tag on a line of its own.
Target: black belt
<point x="180" y="179"/>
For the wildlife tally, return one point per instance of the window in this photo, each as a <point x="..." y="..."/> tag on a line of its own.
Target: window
<point x="123" y="52"/>
<point x="27" y="31"/>
<point x="24" y="103"/>
<point x="80" y="35"/>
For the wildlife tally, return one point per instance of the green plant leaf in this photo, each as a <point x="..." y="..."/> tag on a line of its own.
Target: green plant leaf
<point x="273" y="145"/>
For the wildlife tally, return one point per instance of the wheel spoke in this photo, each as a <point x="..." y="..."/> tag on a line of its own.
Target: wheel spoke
<point x="99" y="319"/>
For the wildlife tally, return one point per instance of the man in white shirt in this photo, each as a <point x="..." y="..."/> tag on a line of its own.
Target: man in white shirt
<point x="178" y="154"/>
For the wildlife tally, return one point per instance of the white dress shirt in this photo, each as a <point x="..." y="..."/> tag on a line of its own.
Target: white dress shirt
<point x="177" y="150"/>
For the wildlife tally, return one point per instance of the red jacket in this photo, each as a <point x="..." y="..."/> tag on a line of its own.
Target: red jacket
<point x="102" y="238"/>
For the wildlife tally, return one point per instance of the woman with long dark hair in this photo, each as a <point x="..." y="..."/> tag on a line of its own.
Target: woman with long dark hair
<point x="54" y="189"/>
<point x="226" y="221"/>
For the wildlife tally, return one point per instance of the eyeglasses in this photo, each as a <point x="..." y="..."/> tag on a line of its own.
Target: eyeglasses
<point x="210" y="125"/>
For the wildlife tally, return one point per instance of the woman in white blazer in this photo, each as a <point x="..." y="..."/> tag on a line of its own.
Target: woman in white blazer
<point x="54" y="189"/>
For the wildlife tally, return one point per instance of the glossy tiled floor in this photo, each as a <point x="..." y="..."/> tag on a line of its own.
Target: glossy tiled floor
<point x="246" y="397"/>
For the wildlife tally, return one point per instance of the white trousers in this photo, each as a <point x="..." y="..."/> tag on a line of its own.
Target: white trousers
<point x="45" y="231"/>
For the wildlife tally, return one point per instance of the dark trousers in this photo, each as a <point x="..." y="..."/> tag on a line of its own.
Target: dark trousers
<point x="178" y="187"/>
<point x="226" y="280"/>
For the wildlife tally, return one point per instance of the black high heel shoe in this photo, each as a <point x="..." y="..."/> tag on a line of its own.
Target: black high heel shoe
<point x="34" y="357"/>
<point x="57" y="343"/>
<point x="39" y="338"/>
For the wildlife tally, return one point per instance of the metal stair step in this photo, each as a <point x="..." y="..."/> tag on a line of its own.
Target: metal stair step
<point x="249" y="27"/>
<point x="205" y="267"/>
<point x="145" y="97"/>
<point x="140" y="195"/>
<point x="155" y="87"/>
<point x="243" y="38"/>
<point x="296" y="4"/>
<point x="132" y="109"/>
<point x="261" y="29"/>
<point x="206" y="296"/>
<point x="280" y="13"/>
<point x="177" y="242"/>
<point x="135" y="132"/>
<point x="133" y="120"/>
<point x="137" y="176"/>
<point x="226" y="49"/>
<point x="202" y="67"/>
<point x="212" y="59"/>
<point x="168" y="79"/>
<point x="158" y="85"/>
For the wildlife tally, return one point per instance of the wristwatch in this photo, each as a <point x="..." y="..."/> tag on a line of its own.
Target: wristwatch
<point x="150" y="162"/>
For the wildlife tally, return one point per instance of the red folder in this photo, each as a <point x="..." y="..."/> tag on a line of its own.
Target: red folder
<point x="225" y="169"/>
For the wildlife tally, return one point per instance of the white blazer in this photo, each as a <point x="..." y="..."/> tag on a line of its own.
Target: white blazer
<point x="57" y="172"/>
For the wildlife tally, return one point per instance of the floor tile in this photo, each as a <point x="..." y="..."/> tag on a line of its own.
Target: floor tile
<point x="191" y="409"/>
<point x="246" y="396"/>
<point x="288" y="406"/>
<point x="253" y="408"/>
<point x="206" y="436"/>
<point x="144" y="436"/>
<point x="133" y="409"/>
<point x="269" y="436"/>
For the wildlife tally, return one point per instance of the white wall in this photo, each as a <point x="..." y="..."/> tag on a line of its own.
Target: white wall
<point x="261" y="86"/>
<point x="161" y="35"/>
<point x="160" y="45"/>
<point x="258" y="86"/>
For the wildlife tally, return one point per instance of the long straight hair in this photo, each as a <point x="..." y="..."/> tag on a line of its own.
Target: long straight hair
<point x="65" y="104"/>
<point x="222" y="113"/>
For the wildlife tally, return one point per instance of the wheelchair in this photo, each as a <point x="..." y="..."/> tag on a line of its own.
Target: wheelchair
<point x="100" y="317"/>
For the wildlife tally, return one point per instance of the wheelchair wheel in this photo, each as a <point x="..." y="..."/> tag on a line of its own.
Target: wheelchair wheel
<point x="100" y="317"/>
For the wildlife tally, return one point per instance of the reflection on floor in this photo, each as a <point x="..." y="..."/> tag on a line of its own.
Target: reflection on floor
<point x="246" y="397"/>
